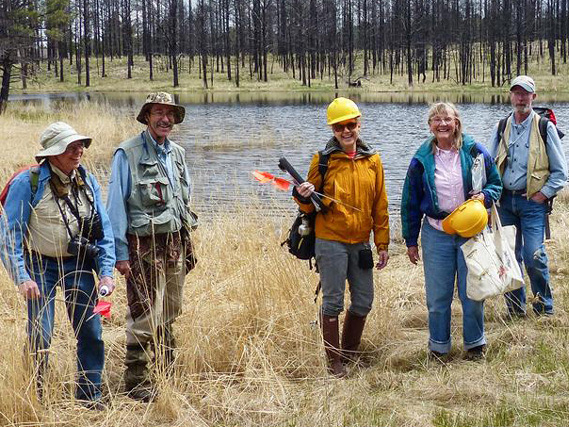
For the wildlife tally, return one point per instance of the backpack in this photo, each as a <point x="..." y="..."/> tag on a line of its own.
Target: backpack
<point x="34" y="171"/>
<point x="301" y="238"/>
<point x="545" y="115"/>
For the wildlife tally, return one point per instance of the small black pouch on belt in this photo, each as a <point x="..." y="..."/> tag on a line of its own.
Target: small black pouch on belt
<point x="365" y="259"/>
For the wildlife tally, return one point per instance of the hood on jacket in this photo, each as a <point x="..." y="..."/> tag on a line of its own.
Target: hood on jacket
<point x="362" y="148"/>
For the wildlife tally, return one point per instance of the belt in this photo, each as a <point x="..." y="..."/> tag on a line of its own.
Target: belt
<point x="515" y="192"/>
<point x="54" y="259"/>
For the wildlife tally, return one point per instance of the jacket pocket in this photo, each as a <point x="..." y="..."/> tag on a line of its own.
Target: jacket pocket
<point x="184" y="183"/>
<point x="154" y="191"/>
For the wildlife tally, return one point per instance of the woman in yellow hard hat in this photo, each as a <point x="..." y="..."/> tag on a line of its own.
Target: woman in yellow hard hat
<point x="354" y="178"/>
<point x="439" y="180"/>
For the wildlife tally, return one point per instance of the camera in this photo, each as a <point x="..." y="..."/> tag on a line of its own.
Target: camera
<point x="91" y="228"/>
<point x="80" y="246"/>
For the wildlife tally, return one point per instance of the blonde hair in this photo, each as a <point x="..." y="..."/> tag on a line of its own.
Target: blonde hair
<point x="450" y="109"/>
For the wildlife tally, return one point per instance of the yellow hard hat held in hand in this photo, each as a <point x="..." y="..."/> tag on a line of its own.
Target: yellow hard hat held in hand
<point x="342" y="109"/>
<point x="467" y="220"/>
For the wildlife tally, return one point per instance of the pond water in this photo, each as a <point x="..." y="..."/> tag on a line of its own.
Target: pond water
<point x="229" y="135"/>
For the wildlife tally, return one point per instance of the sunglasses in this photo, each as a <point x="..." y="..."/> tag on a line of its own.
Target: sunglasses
<point x="340" y="128"/>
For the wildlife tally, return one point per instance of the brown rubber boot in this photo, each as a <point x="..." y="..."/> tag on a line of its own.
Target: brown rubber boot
<point x="352" y="336"/>
<point x="331" y="337"/>
<point x="137" y="382"/>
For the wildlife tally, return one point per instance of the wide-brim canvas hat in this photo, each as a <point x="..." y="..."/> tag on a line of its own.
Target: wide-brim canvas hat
<point x="57" y="137"/>
<point x="162" y="98"/>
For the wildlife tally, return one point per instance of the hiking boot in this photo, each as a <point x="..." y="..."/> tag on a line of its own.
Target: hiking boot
<point x="476" y="353"/>
<point x="352" y="336"/>
<point x="143" y="393"/>
<point x="438" y="356"/>
<point x="93" y="405"/>
<point x="331" y="338"/>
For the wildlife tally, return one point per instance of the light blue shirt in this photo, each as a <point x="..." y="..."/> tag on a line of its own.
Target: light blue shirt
<point x="119" y="192"/>
<point x="515" y="172"/>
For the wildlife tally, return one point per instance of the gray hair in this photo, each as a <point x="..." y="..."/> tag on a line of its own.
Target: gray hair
<point x="450" y="109"/>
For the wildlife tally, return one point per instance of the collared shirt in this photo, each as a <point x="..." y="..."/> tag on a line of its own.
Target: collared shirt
<point x="448" y="182"/>
<point x="515" y="172"/>
<point x="163" y="151"/>
<point x="119" y="192"/>
<point x="48" y="234"/>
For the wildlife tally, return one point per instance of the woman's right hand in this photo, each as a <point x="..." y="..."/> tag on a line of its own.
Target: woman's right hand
<point x="29" y="289"/>
<point x="305" y="189"/>
<point x="413" y="254"/>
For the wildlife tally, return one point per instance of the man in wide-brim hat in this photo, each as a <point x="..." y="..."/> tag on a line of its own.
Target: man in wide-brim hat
<point x="56" y="232"/>
<point x="148" y="201"/>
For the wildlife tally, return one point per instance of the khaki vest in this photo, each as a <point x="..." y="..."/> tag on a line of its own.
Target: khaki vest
<point x="154" y="206"/>
<point x="538" y="162"/>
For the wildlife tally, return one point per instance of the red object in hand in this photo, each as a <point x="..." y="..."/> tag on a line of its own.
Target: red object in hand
<point x="103" y="308"/>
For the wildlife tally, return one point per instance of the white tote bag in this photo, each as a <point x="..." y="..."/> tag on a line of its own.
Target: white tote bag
<point x="491" y="261"/>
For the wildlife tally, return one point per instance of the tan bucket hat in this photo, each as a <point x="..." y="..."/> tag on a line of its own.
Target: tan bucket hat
<point x="163" y="98"/>
<point x="57" y="137"/>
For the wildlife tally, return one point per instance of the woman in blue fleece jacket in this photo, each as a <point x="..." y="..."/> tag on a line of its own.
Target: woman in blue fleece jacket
<point x="438" y="180"/>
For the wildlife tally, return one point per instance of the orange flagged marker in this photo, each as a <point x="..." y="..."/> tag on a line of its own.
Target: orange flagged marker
<point x="261" y="177"/>
<point x="103" y="308"/>
<point x="281" y="184"/>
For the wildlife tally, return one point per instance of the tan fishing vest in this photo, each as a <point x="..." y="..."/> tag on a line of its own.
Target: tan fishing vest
<point x="538" y="162"/>
<point x="155" y="206"/>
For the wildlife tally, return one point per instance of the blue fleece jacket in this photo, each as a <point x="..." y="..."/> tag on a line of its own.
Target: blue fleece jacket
<point x="419" y="196"/>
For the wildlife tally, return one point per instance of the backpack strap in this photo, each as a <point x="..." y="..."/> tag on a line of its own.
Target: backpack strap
<point x="543" y="129"/>
<point x="502" y="127"/>
<point x="322" y="167"/>
<point x="34" y="179"/>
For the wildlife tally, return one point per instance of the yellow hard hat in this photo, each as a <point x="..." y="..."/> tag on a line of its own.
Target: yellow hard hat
<point x="342" y="109"/>
<point x="467" y="220"/>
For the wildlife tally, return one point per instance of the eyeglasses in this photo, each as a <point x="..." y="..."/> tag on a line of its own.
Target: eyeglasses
<point x="170" y="114"/>
<point x="340" y="128"/>
<point x="440" y="120"/>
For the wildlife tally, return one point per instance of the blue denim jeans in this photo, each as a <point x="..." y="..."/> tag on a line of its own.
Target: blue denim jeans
<point x="529" y="219"/>
<point x="337" y="262"/>
<point x="444" y="265"/>
<point x="80" y="297"/>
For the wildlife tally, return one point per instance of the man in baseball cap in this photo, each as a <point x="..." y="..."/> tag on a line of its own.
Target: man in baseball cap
<point x="532" y="164"/>
<point x="148" y="198"/>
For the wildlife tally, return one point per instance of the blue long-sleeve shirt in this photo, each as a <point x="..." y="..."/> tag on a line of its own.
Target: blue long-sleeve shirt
<point x="515" y="172"/>
<point x="15" y="220"/>
<point x="119" y="192"/>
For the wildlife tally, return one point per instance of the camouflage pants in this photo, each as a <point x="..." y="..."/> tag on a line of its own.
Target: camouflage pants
<point x="155" y="285"/>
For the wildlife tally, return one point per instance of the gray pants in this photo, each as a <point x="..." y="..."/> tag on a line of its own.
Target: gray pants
<point x="337" y="262"/>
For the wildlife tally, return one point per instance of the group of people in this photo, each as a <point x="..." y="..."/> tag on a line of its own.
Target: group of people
<point x="56" y="231"/>
<point x="524" y="168"/>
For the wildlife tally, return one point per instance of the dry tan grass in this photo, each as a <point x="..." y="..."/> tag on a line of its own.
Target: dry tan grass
<point x="250" y="352"/>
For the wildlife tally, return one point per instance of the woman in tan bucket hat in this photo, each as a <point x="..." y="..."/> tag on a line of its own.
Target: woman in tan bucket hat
<point x="56" y="232"/>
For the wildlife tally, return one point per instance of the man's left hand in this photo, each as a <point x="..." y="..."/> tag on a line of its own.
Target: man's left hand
<point x="539" y="197"/>
<point x="383" y="258"/>
<point x="109" y="283"/>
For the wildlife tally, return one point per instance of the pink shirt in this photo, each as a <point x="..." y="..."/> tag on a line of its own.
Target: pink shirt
<point x="448" y="182"/>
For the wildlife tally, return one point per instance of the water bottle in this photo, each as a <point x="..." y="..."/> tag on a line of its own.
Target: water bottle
<point x="304" y="227"/>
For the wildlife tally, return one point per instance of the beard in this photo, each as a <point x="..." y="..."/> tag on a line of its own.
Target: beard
<point x="523" y="109"/>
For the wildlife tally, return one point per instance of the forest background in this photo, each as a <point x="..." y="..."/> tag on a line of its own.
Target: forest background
<point x="61" y="45"/>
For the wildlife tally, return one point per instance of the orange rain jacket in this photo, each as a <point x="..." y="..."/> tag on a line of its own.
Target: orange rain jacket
<point x="358" y="182"/>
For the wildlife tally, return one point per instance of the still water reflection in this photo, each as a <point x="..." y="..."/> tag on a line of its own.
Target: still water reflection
<point x="229" y="135"/>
